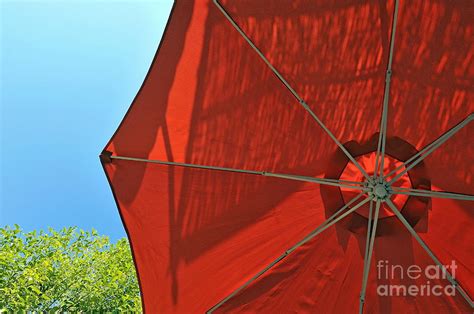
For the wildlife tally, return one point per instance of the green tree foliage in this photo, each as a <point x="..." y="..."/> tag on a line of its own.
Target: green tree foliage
<point x="68" y="270"/>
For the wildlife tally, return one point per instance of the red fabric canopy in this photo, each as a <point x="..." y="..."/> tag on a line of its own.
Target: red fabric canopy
<point x="198" y="234"/>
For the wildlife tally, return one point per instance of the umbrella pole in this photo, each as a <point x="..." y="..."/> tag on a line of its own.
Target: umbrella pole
<point x="326" y="224"/>
<point x="291" y="89"/>
<point x="429" y="193"/>
<point x="368" y="256"/>
<point x="430" y="253"/>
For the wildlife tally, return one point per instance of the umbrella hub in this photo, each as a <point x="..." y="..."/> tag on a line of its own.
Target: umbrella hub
<point x="383" y="192"/>
<point x="379" y="190"/>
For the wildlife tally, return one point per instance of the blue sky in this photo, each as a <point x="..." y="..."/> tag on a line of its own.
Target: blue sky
<point x="69" y="71"/>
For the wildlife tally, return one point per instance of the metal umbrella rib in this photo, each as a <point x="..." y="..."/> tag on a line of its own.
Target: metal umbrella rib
<point x="383" y="121"/>
<point x="337" y="216"/>
<point x="438" y="194"/>
<point x="368" y="257"/>
<point x="430" y="253"/>
<point x="425" y="152"/>
<point x="333" y="182"/>
<point x="291" y="89"/>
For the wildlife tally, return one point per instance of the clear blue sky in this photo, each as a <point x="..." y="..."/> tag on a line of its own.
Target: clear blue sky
<point x="69" y="71"/>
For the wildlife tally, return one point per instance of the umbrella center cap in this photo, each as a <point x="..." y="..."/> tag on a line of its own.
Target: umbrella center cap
<point x="380" y="191"/>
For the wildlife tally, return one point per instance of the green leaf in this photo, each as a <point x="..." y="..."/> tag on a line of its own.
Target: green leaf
<point x="69" y="270"/>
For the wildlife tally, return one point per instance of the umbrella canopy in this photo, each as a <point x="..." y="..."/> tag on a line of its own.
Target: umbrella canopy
<point x="281" y="156"/>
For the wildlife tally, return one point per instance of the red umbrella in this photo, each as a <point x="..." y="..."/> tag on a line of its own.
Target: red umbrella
<point x="303" y="156"/>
